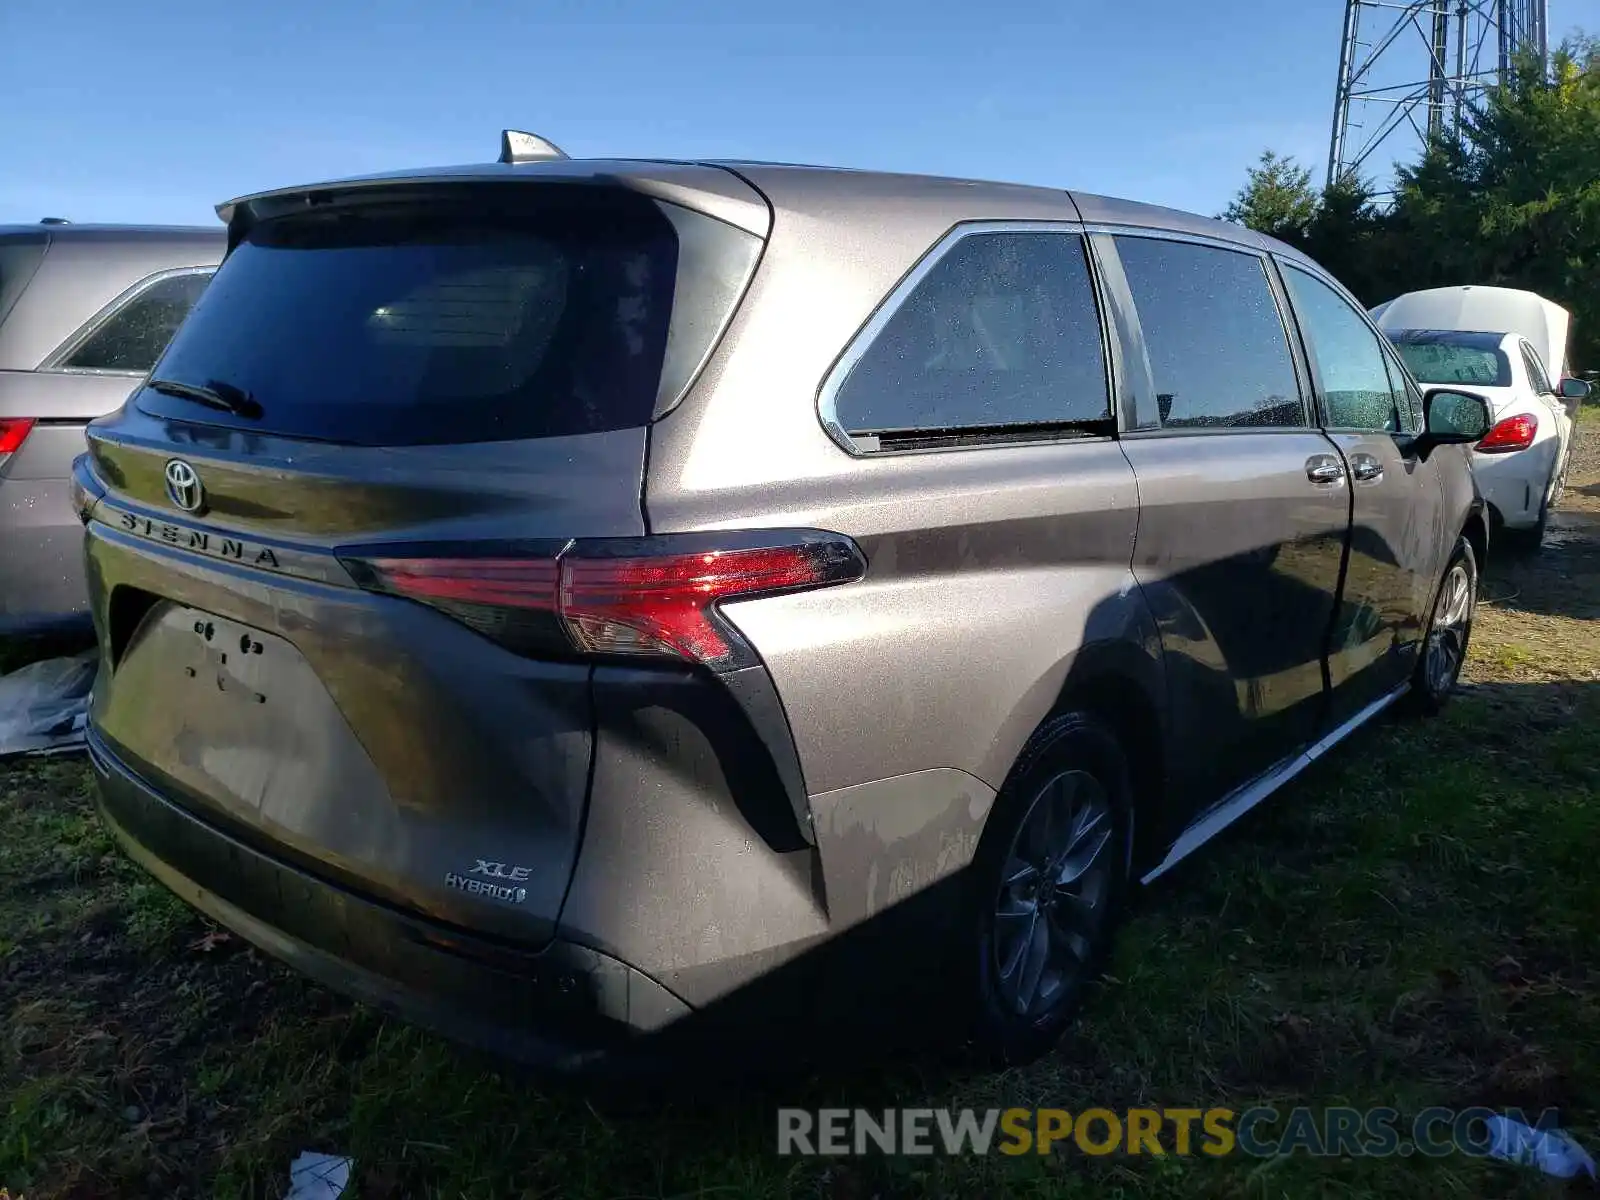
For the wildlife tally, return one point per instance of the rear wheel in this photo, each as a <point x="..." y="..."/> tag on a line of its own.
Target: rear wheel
<point x="1048" y="885"/>
<point x="1444" y="650"/>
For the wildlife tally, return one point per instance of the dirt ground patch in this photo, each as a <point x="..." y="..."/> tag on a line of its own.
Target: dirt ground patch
<point x="1412" y="924"/>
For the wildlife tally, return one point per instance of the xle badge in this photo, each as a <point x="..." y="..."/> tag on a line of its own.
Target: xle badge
<point x="482" y="887"/>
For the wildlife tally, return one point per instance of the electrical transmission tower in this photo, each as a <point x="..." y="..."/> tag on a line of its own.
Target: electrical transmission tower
<point x="1409" y="68"/>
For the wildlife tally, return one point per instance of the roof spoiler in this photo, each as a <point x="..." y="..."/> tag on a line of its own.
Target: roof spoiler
<point x="519" y="147"/>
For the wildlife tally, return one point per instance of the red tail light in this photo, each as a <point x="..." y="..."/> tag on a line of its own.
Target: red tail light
<point x="512" y="582"/>
<point x="13" y="432"/>
<point x="625" y="597"/>
<point x="1514" y="433"/>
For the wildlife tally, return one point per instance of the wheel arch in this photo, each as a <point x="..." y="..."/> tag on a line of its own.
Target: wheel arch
<point x="1123" y="687"/>
<point x="1476" y="531"/>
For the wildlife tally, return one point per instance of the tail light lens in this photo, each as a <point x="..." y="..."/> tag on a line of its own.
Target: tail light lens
<point x="650" y="597"/>
<point x="1514" y="433"/>
<point x="13" y="432"/>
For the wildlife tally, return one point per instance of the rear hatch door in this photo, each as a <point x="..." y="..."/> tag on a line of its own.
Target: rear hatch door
<point x="438" y="370"/>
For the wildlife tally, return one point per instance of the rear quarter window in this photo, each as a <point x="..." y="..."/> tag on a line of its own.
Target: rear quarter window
<point x="131" y="338"/>
<point x="1002" y="331"/>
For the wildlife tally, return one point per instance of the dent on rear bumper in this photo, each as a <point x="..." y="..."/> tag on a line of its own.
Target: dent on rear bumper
<point x="395" y="748"/>
<point x="563" y="1006"/>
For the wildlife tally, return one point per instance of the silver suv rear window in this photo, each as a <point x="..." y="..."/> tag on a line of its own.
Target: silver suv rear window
<point x="517" y="313"/>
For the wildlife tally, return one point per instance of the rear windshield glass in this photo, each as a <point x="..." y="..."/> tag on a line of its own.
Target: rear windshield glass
<point x="1468" y="358"/>
<point x="412" y="323"/>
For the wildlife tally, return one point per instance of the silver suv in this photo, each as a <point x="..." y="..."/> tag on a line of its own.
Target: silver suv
<point x="84" y="311"/>
<point x="553" y="599"/>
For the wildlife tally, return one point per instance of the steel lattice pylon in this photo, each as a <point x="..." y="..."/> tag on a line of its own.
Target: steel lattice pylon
<point x="1407" y="70"/>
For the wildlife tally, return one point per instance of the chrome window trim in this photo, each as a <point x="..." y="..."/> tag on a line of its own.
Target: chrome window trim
<point x="1183" y="431"/>
<point x="1112" y="229"/>
<point x="863" y="339"/>
<point x="94" y="324"/>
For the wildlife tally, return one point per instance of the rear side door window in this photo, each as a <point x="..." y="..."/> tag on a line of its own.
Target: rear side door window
<point x="999" y="338"/>
<point x="132" y="337"/>
<point x="1217" y="347"/>
<point x="1350" y="361"/>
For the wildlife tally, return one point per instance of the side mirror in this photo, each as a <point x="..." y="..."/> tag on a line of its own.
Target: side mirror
<point x="1575" y="389"/>
<point x="1451" y="418"/>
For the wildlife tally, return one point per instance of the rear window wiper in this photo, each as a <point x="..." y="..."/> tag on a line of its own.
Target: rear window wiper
<point x="215" y="394"/>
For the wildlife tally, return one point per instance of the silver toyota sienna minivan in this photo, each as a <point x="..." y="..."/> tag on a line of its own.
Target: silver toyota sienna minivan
<point x="555" y="600"/>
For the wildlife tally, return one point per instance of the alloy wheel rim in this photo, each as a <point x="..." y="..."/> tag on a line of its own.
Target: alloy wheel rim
<point x="1054" y="892"/>
<point x="1448" y="638"/>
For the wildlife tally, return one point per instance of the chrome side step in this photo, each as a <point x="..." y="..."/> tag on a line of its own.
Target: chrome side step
<point x="1240" y="801"/>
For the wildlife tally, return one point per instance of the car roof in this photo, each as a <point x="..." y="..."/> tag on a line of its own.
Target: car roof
<point x="986" y="194"/>
<point x="86" y="267"/>
<point x="69" y="233"/>
<point x="840" y="191"/>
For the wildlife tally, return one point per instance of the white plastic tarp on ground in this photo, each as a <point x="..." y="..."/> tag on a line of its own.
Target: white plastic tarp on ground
<point x="314" y="1176"/>
<point x="45" y="705"/>
<point x="1548" y="1150"/>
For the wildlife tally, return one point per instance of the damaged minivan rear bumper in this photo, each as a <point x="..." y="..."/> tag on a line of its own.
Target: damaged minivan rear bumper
<point x="564" y="1006"/>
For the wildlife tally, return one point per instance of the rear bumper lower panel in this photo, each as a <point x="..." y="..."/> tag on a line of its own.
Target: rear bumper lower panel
<point x="564" y="1006"/>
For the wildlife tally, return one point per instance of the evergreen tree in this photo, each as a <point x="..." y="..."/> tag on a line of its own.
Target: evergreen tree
<point x="1277" y="199"/>
<point x="1514" y="203"/>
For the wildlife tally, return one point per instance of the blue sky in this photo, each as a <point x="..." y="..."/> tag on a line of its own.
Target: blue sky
<point x="156" y="110"/>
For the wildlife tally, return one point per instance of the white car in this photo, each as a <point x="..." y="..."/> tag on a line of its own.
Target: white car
<point x="1498" y="342"/>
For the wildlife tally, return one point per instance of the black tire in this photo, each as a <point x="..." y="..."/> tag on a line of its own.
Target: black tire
<point x="1431" y="687"/>
<point x="1072" y="765"/>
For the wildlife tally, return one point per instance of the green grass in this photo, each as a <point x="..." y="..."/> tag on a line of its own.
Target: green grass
<point x="1412" y="924"/>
